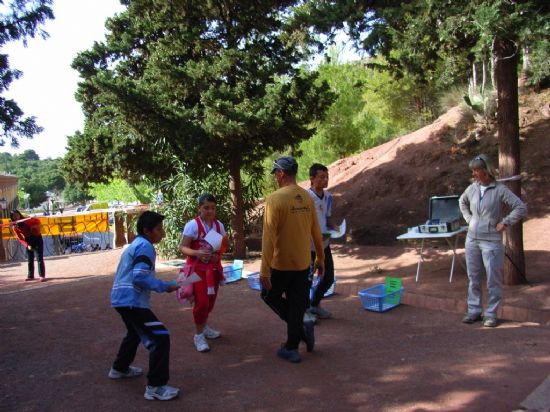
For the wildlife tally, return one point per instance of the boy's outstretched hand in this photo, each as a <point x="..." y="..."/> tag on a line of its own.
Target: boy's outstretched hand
<point x="172" y="288"/>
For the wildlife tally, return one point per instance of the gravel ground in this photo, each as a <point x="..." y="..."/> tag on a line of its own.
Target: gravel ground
<point x="59" y="339"/>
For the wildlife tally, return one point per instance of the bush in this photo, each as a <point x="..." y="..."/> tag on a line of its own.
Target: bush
<point x="99" y="205"/>
<point x="180" y="204"/>
<point x="539" y="69"/>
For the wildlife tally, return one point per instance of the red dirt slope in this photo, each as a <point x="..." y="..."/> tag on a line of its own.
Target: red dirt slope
<point x="386" y="189"/>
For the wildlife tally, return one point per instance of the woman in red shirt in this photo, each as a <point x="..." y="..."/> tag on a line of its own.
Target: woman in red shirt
<point x="28" y="233"/>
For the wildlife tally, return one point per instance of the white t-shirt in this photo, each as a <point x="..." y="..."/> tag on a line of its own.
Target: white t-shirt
<point x="191" y="228"/>
<point x="323" y="207"/>
<point x="482" y="190"/>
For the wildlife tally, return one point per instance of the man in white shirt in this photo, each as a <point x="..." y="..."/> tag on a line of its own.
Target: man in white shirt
<point x="318" y="175"/>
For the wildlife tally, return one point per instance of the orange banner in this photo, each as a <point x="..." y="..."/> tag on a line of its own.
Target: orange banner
<point x="58" y="225"/>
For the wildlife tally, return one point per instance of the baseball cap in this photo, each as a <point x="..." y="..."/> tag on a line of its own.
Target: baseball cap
<point x="287" y="164"/>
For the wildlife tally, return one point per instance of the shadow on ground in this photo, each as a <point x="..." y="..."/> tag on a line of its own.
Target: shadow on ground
<point x="407" y="359"/>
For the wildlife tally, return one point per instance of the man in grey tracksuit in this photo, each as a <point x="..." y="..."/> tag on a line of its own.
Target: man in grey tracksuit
<point x="482" y="205"/>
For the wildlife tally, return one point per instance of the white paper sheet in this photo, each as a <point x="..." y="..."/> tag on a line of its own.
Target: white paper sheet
<point x="215" y="240"/>
<point x="339" y="232"/>
<point x="191" y="279"/>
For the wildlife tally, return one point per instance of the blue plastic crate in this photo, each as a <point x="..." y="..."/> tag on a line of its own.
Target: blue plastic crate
<point x="376" y="299"/>
<point x="254" y="281"/>
<point x="234" y="272"/>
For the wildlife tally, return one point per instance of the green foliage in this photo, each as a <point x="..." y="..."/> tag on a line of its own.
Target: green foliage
<point x="37" y="192"/>
<point x="180" y="203"/>
<point x="72" y="194"/>
<point x="118" y="190"/>
<point x="372" y="106"/>
<point x="435" y="43"/>
<point x="341" y="128"/>
<point x="19" y="19"/>
<point x="539" y="68"/>
<point x="35" y="176"/>
<point x="180" y="195"/>
<point x="476" y="103"/>
<point x="215" y="85"/>
<point x="99" y="205"/>
<point x="396" y="104"/>
<point x="314" y="150"/>
<point x="158" y="89"/>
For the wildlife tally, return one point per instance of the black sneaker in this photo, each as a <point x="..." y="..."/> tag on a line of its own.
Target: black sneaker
<point x="471" y="318"/>
<point x="290" y="355"/>
<point x="133" y="371"/>
<point x="309" y="335"/>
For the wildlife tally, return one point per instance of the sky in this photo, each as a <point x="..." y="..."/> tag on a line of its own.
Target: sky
<point x="47" y="87"/>
<point x="48" y="84"/>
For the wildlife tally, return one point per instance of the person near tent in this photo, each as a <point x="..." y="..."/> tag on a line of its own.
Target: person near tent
<point x="28" y="232"/>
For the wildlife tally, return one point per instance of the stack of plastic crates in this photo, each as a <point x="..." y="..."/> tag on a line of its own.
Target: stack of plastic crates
<point x="382" y="297"/>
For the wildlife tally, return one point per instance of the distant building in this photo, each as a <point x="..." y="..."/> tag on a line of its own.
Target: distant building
<point x="8" y="194"/>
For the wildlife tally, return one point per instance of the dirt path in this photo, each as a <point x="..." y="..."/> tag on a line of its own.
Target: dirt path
<point x="59" y="338"/>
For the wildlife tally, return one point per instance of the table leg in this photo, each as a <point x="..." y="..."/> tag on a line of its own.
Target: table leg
<point x="420" y="258"/>
<point x="454" y="257"/>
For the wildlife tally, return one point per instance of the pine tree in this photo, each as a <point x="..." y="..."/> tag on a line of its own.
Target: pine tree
<point x="214" y="84"/>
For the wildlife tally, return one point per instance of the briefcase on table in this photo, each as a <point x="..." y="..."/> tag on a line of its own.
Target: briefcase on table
<point x="444" y="215"/>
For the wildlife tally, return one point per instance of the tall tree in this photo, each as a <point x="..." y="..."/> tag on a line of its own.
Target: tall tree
<point x="215" y="84"/>
<point x="438" y="39"/>
<point x="19" y="19"/>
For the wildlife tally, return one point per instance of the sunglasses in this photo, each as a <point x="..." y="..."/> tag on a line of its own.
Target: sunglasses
<point x="276" y="166"/>
<point x="482" y="161"/>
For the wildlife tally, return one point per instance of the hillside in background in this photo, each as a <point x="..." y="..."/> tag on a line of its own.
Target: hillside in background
<point x="386" y="189"/>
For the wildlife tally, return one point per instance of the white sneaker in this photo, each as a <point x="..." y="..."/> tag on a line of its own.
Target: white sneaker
<point x="200" y="343"/>
<point x="162" y="393"/>
<point x="133" y="371"/>
<point x="210" y="333"/>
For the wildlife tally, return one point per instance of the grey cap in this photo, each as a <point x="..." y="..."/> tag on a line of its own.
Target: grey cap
<point x="287" y="164"/>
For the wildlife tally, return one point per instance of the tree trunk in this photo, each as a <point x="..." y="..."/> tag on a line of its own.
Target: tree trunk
<point x="237" y="207"/>
<point x="120" y="238"/>
<point x="474" y="79"/>
<point x="484" y="78"/>
<point x="509" y="152"/>
<point x="493" y="76"/>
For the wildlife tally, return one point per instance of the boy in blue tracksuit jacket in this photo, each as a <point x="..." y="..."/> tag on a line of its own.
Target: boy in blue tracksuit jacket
<point x="134" y="281"/>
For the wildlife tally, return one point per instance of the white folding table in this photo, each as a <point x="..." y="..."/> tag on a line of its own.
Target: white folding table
<point x="423" y="236"/>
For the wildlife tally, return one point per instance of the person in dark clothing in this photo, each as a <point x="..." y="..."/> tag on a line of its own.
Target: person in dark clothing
<point x="28" y="232"/>
<point x="289" y="225"/>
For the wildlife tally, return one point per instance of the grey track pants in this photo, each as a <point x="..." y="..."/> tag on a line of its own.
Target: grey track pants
<point x="490" y="255"/>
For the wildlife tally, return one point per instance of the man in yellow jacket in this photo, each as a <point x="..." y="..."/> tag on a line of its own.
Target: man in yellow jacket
<point x="289" y="225"/>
